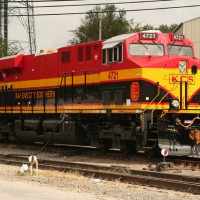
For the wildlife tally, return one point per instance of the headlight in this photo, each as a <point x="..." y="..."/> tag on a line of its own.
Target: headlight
<point x="174" y="104"/>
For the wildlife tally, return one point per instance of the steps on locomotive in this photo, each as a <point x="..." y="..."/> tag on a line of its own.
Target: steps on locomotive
<point x="154" y="131"/>
<point x="152" y="139"/>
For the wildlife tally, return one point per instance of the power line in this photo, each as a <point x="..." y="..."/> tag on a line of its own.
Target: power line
<point x="17" y="1"/>
<point x="97" y="4"/>
<point x="134" y="10"/>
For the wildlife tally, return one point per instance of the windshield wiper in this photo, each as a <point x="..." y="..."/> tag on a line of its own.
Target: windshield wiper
<point x="143" y="44"/>
<point x="179" y="49"/>
<point x="170" y="46"/>
<point x="157" y="45"/>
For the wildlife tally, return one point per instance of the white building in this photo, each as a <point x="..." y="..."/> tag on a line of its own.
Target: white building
<point x="191" y="29"/>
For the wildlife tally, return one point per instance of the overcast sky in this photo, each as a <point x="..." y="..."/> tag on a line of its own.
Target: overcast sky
<point x="53" y="32"/>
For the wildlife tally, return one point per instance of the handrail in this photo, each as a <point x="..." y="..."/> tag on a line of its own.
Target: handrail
<point x="160" y="102"/>
<point x="158" y="93"/>
<point x="142" y="120"/>
<point x="157" y="104"/>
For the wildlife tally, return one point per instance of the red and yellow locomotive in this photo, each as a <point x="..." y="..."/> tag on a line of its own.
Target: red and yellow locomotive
<point x="132" y="92"/>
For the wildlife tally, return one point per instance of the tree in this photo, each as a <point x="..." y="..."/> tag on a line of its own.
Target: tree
<point x="113" y="23"/>
<point x="7" y="50"/>
<point x="3" y="47"/>
<point x="136" y="27"/>
<point x="167" y="29"/>
<point x="113" y="20"/>
<point x="163" y="27"/>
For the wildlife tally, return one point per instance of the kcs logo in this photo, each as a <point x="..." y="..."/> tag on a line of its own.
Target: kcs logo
<point x="177" y="78"/>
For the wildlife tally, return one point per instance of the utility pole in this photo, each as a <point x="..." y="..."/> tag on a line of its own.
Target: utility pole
<point x="5" y="14"/>
<point x="4" y="25"/>
<point x="1" y="10"/>
<point x="31" y="26"/>
<point x="28" y="22"/>
<point x="100" y="27"/>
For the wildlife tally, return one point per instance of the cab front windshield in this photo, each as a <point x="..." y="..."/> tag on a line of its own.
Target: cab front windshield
<point x="180" y="50"/>
<point x="143" y="49"/>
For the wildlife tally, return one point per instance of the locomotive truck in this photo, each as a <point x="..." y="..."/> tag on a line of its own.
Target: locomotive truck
<point x="132" y="92"/>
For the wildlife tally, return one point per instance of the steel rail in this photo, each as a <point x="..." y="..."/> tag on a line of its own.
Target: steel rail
<point x="194" y="163"/>
<point x="150" y="178"/>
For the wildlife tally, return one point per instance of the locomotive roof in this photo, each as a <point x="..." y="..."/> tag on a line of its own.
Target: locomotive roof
<point x="115" y="40"/>
<point x="120" y="38"/>
<point x="8" y="57"/>
<point x="11" y="61"/>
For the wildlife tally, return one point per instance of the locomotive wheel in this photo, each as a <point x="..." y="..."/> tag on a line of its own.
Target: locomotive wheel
<point x="129" y="148"/>
<point x="154" y="152"/>
<point x="104" y="145"/>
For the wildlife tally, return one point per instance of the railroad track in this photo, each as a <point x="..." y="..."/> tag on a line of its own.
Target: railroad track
<point x="178" y="165"/>
<point x="192" y="163"/>
<point x="142" y="177"/>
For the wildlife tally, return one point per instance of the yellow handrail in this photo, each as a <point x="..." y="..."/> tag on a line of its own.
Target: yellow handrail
<point x="158" y="93"/>
<point x="142" y="120"/>
<point x="160" y="102"/>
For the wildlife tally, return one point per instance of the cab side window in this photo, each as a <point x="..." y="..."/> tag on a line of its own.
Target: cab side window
<point x="114" y="54"/>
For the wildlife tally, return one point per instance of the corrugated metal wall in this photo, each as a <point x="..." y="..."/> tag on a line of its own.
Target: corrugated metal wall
<point x="192" y="30"/>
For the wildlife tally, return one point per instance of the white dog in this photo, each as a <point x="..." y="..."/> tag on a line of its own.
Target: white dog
<point x="24" y="168"/>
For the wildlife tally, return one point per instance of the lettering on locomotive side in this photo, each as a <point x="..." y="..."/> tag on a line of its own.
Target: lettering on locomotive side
<point x="113" y="75"/>
<point x="35" y="94"/>
<point x="177" y="78"/>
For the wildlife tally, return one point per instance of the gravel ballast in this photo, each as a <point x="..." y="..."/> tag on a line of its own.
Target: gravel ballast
<point x="78" y="187"/>
<point x="74" y="186"/>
